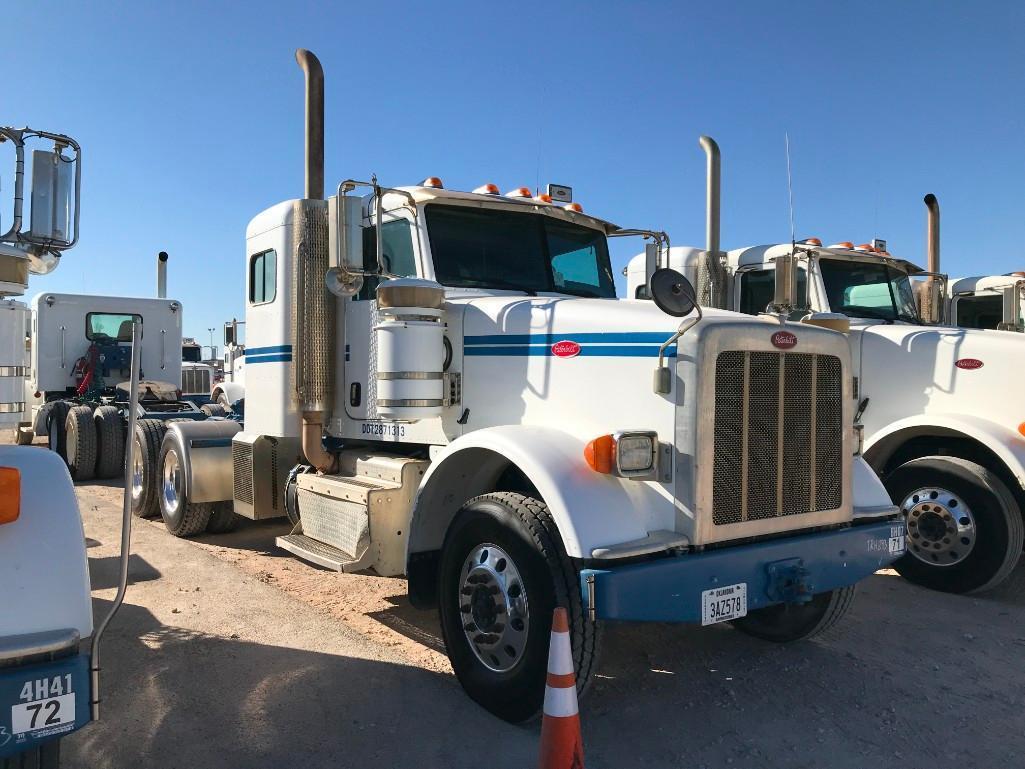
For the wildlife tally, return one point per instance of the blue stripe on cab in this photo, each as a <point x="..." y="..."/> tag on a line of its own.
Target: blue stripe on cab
<point x="598" y="337"/>
<point x="264" y="350"/>
<point x="283" y="358"/>
<point x="596" y="351"/>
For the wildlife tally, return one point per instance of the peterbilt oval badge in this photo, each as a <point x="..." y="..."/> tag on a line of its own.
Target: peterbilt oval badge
<point x="565" y="349"/>
<point x="969" y="364"/>
<point x="784" y="340"/>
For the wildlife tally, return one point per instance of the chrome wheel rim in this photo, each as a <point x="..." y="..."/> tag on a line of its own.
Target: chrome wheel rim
<point x="493" y="607"/>
<point x="941" y="527"/>
<point x="172" y="482"/>
<point x="137" y="472"/>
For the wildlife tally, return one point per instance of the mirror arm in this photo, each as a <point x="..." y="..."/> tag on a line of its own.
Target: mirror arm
<point x="662" y="385"/>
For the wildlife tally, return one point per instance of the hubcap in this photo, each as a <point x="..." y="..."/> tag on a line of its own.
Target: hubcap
<point x="172" y="482"/>
<point x="493" y="607"/>
<point x="941" y="527"/>
<point x="137" y="472"/>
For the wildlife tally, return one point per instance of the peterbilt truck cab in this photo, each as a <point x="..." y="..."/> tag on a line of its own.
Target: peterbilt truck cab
<point x="994" y="302"/>
<point x="443" y="385"/>
<point x="940" y="418"/>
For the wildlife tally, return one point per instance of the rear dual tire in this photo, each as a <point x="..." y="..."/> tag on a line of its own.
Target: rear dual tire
<point x="181" y="517"/>
<point x="80" y="443"/>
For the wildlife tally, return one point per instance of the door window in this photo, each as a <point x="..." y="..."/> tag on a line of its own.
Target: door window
<point x="263" y="277"/>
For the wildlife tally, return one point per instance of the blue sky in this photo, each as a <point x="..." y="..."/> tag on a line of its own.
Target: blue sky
<point x="190" y="117"/>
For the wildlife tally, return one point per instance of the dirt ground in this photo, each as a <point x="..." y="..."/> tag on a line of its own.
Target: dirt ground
<point x="232" y="653"/>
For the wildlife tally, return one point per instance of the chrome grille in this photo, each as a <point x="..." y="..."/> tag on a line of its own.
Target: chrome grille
<point x="195" y="380"/>
<point x="242" y="462"/>
<point x="778" y="435"/>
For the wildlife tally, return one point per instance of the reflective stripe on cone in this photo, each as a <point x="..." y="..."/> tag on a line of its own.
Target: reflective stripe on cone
<point x="561" y="744"/>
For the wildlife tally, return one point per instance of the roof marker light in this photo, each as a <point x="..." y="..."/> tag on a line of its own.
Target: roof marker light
<point x="544" y="197"/>
<point x="812" y="242"/>
<point x="487" y="189"/>
<point x="846" y="244"/>
<point x="432" y="181"/>
<point x="520" y="192"/>
<point x="575" y="207"/>
<point x="865" y="247"/>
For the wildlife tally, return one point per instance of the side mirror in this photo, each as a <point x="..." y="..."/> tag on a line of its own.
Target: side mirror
<point x="929" y="296"/>
<point x="345" y="244"/>
<point x="784" y="298"/>
<point x="672" y="293"/>
<point x="229" y="334"/>
<point x="53" y="197"/>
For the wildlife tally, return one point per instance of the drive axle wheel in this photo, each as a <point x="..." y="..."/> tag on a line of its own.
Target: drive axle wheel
<point x="110" y="442"/>
<point x="503" y="571"/>
<point x="149" y="433"/>
<point x="965" y="529"/>
<point x="80" y="443"/>
<point x="181" y="517"/>
<point x="788" y="622"/>
<point x="56" y="437"/>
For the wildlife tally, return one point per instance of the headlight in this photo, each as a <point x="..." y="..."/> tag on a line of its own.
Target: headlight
<point x="635" y="452"/>
<point x="628" y="454"/>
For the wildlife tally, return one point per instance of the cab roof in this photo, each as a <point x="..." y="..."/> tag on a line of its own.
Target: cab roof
<point x="983" y="283"/>
<point x="757" y="255"/>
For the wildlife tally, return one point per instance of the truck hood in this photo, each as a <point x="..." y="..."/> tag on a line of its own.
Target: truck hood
<point x="909" y="370"/>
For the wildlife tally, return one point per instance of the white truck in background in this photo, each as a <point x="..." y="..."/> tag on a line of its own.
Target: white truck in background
<point x="938" y="407"/>
<point x="443" y="385"/>
<point x="49" y="674"/>
<point x="991" y="302"/>
<point x="232" y="388"/>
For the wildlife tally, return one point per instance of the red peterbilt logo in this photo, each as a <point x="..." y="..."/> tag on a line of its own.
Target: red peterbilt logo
<point x="784" y="340"/>
<point x="565" y="349"/>
<point x="969" y="364"/>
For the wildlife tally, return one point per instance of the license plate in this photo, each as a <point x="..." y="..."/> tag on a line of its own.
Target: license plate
<point x="43" y="714"/>
<point x="722" y="604"/>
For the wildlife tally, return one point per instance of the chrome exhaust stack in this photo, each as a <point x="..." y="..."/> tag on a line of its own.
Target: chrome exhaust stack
<point x="162" y="275"/>
<point x="932" y="233"/>
<point x="313" y="306"/>
<point x="711" y="272"/>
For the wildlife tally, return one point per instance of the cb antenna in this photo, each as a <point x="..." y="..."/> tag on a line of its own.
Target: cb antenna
<point x="790" y="191"/>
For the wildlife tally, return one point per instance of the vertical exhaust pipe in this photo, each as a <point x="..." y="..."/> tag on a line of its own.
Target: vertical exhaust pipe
<point x="314" y="310"/>
<point x="710" y="270"/>
<point x="932" y="233"/>
<point x="314" y="73"/>
<point x="162" y="275"/>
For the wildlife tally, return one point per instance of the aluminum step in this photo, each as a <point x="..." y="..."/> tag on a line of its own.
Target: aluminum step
<point x="320" y="553"/>
<point x="387" y="468"/>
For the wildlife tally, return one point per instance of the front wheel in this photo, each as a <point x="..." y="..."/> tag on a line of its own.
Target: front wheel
<point x="503" y="571"/>
<point x="965" y="529"/>
<point x="788" y="622"/>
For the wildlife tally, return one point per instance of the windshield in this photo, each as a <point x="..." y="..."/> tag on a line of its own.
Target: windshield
<point x="192" y="354"/>
<point x="868" y="290"/>
<point x="528" y="252"/>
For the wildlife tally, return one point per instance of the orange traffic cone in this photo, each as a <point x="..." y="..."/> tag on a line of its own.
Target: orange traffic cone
<point x="561" y="744"/>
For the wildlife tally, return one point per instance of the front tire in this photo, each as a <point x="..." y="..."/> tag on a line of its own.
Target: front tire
<point x="80" y="442"/>
<point x="965" y="529"/>
<point x="503" y="571"/>
<point x="787" y="622"/>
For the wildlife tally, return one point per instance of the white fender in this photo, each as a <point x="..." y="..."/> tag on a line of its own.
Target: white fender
<point x="592" y="510"/>
<point x="234" y="391"/>
<point x="43" y="566"/>
<point x="1003" y="440"/>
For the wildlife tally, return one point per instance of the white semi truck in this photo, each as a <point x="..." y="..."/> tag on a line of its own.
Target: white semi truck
<point x="993" y="302"/>
<point x="49" y="673"/>
<point x="938" y="407"/>
<point x="443" y="385"/>
<point x="232" y="389"/>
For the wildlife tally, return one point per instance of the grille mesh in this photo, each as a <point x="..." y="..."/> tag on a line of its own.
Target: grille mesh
<point x="242" y="462"/>
<point x="778" y="435"/>
<point x="195" y="380"/>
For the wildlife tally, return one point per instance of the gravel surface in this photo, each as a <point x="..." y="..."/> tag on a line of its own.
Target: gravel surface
<point x="232" y="653"/>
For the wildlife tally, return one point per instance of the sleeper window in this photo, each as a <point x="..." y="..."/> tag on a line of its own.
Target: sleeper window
<point x="263" y="277"/>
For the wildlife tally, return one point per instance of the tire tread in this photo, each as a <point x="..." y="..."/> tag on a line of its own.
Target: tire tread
<point x="80" y="443"/>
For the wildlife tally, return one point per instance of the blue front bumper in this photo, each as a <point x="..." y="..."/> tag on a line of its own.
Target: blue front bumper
<point x="42" y="701"/>
<point x="791" y="568"/>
